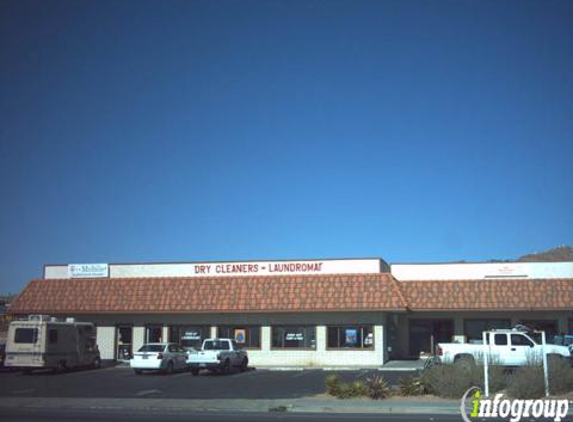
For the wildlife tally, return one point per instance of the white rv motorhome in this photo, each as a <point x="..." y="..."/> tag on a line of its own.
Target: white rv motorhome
<point x="42" y="342"/>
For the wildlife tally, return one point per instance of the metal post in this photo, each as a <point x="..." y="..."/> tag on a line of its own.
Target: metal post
<point x="485" y="364"/>
<point x="545" y="370"/>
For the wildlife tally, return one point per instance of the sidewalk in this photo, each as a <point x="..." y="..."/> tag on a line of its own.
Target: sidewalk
<point x="302" y="405"/>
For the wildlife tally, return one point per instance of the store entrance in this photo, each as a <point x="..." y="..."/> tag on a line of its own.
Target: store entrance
<point x="425" y="334"/>
<point x="124" y="337"/>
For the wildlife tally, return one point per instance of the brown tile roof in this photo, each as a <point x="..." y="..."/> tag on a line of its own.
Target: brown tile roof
<point x="489" y="294"/>
<point x="225" y="294"/>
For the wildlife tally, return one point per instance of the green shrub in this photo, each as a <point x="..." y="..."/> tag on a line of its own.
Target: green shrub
<point x="560" y="376"/>
<point x="333" y="385"/>
<point x="448" y="380"/>
<point x="377" y="387"/>
<point x="412" y="386"/>
<point x="497" y="374"/>
<point x="453" y="380"/>
<point x="527" y="382"/>
<point x="357" y="389"/>
<point x="352" y="389"/>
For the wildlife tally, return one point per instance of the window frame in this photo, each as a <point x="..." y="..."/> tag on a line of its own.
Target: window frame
<point x="205" y="333"/>
<point x="247" y="328"/>
<point x="352" y="349"/>
<point x="487" y="320"/>
<point x="153" y="326"/>
<point x="306" y="326"/>
<point x="20" y="329"/>
<point x="500" y="335"/>
<point x="52" y="339"/>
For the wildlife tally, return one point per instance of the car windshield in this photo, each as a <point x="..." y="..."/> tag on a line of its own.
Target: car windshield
<point x="152" y="348"/>
<point x="216" y="345"/>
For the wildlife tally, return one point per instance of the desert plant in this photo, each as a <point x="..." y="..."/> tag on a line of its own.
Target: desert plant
<point x="377" y="387"/>
<point x="497" y="374"/>
<point x="412" y="386"/>
<point x="526" y="383"/>
<point x="352" y="389"/>
<point x="357" y="388"/>
<point x="449" y="381"/>
<point x="333" y="385"/>
<point x="560" y="375"/>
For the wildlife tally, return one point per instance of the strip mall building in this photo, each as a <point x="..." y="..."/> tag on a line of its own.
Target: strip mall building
<point x="352" y="312"/>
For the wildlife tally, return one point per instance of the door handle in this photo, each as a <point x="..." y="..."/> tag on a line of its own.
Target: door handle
<point x="513" y="349"/>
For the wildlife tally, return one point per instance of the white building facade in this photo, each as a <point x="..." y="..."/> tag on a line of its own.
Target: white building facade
<point x="303" y="313"/>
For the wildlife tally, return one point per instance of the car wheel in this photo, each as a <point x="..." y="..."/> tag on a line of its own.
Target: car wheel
<point x="194" y="371"/>
<point x="138" y="371"/>
<point x="244" y="364"/>
<point x="97" y="363"/>
<point x="61" y="367"/>
<point x="465" y="362"/>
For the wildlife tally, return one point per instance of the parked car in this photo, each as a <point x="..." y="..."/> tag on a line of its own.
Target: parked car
<point x="2" y="353"/>
<point x="507" y="347"/>
<point x="42" y="342"/>
<point x="167" y="357"/>
<point x="218" y="355"/>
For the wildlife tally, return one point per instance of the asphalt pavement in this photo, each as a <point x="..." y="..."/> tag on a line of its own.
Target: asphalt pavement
<point x="122" y="382"/>
<point x="112" y="416"/>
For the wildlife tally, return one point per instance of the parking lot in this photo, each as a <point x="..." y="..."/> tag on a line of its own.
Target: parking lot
<point x="122" y="382"/>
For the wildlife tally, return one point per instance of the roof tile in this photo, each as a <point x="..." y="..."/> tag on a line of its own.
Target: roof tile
<point x="224" y="294"/>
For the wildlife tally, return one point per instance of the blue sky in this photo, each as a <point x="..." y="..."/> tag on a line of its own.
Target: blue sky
<point x="226" y="130"/>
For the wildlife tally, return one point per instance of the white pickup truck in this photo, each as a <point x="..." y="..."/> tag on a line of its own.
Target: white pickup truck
<point x="218" y="354"/>
<point x="503" y="347"/>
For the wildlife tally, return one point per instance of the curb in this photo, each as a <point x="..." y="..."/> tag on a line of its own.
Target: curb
<point x="232" y="405"/>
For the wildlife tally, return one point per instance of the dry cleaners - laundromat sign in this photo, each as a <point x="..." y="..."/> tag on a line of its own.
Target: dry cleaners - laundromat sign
<point x="88" y="270"/>
<point x="357" y="266"/>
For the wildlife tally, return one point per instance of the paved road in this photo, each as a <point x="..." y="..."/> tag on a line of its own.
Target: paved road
<point x="121" y="382"/>
<point x="104" y="416"/>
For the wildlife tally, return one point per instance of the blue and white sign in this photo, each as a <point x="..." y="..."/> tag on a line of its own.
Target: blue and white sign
<point x="88" y="271"/>
<point x="351" y="336"/>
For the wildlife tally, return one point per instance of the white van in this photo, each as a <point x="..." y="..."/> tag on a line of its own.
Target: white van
<point x="42" y="342"/>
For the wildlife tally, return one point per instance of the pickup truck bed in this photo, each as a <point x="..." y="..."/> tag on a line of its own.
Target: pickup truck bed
<point x="219" y="355"/>
<point x="503" y="347"/>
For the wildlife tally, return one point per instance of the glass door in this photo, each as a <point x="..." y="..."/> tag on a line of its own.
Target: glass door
<point x="124" y="336"/>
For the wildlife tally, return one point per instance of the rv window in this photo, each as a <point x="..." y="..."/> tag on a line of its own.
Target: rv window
<point x="26" y="335"/>
<point x="53" y="336"/>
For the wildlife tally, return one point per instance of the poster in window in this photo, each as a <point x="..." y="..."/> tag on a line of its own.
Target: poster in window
<point x="350" y="336"/>
<point x="240" y="336"/>
<point x="294" y="337"/>
<point x="191" y="335"/>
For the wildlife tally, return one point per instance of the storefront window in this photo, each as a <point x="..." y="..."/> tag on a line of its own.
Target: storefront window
<point x="549" y="326"/>
<point x="294" y="336"/>
<point x="189" y="336"/>
<point x="153" y="333"/>
<point x="245" y="336"/>
<point x="474" y="328"/>
<point x="351" y="337"/>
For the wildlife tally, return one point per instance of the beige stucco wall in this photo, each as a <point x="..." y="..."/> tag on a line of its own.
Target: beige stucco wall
<point x="402" y="345"/>
<point x="319" y="357"/>
<point x="266" y="355"/>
